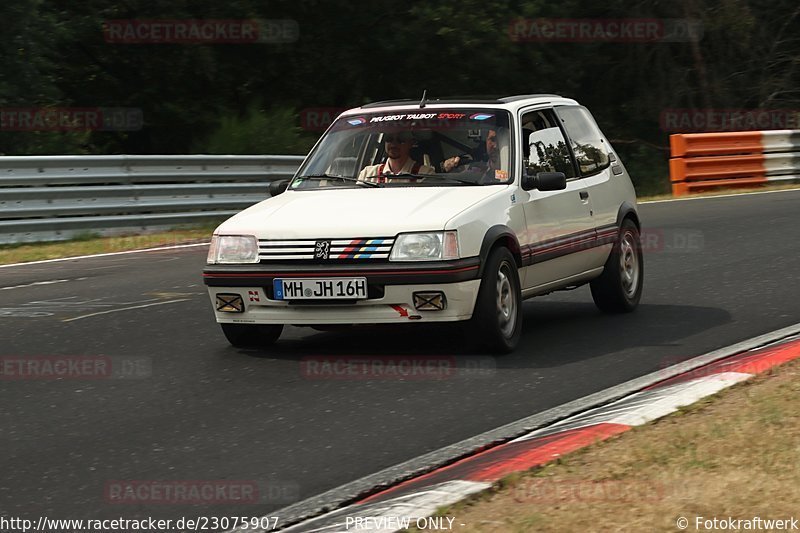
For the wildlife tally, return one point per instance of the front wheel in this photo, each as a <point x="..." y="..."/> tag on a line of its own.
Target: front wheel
<point x="496" y="321"/>
<point x="619" y="288"/>
<point x="252" y="335"/>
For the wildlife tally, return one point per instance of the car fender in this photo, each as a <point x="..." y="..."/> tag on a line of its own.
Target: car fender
<point x="495" y="234"/>
<point x="628" y="210"/>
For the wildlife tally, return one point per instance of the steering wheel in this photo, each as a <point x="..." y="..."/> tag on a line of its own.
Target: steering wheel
<point x="463" y="159"/>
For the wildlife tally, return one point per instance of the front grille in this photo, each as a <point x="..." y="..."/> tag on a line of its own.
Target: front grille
<point x="323" y="250"/>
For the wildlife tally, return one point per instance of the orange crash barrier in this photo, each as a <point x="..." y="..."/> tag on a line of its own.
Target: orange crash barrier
<point x="702" y="161"/>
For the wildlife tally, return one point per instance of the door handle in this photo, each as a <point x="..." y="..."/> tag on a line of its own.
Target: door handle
<point x="584" y="195"/>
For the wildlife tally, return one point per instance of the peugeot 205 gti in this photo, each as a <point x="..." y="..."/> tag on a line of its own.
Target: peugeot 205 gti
<point x="441" y="211"/>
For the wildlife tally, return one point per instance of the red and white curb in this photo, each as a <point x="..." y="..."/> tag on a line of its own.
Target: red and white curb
<point x="402" y="505"/>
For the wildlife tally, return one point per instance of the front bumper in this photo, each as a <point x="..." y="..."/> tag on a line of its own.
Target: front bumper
<point x="391" y="301"/>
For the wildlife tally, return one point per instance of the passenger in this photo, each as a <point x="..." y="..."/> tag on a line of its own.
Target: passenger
<point x="398" y="149"/>
<point x="487" y="159"/>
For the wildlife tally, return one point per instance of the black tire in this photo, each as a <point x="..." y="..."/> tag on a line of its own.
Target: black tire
<point x="252" y="335"/>
<point x="619" y="288"/>
<point x="496" y="322"/>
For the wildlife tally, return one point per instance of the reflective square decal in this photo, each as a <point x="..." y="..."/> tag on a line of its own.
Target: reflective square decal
<point x="230" y="303"/>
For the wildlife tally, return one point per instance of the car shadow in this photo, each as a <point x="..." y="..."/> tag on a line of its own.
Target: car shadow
<point x="555" y="333"/>
<point x="559" y="333"/>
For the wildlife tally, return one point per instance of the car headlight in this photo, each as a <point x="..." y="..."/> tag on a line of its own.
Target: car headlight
<point x="432" y="246"/>
<point x="231" y="249"/>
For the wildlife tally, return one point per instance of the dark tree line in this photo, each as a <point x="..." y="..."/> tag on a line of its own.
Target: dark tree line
<point x="245" y="98"/>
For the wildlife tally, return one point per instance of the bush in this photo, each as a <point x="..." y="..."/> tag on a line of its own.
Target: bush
<point x="647" y="166"/>
<point x="258" y="131"/>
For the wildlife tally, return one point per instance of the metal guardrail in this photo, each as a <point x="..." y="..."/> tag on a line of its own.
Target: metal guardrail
<point x="45" y="198"/>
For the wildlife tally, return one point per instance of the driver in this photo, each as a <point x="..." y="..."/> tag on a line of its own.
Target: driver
<point x="398" y="149"/>
<point x="490" y="158"/>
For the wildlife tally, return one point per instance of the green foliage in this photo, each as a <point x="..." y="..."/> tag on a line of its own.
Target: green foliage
<point x="258" y="132"/>
<point x="27" y="77"/>
<point x="648" y="167"/>
<point x="44" y="143"/>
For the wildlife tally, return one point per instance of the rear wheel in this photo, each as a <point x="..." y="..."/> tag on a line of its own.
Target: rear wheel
<point x="252" y="335"/>
<point x="619" y="288"/>
<point x="496" y="322"/>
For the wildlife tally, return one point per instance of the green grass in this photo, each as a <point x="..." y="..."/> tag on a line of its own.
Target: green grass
<point x="90" y="243"/>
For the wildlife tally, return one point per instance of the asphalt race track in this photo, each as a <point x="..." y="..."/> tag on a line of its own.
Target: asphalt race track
<point x="184" y="405"/>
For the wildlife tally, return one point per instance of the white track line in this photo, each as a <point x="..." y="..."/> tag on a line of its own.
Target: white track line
<point x="124" y="309"/>
<point x="175" y="247"/>
<point x="715" y="196"/>
<point x="34" y="284"/>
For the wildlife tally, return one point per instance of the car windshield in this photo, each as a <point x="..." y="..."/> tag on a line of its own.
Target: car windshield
<point x="418" y="147"/>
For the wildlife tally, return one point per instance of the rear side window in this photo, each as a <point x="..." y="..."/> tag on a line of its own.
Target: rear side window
<point x="591" y="151"/>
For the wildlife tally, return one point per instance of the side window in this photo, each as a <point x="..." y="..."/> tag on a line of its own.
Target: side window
<point x="591" y="152"/>
<point x="544" y="148"/>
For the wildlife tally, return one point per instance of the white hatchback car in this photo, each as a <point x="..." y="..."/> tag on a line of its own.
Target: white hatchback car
<point x="433" y="211"/>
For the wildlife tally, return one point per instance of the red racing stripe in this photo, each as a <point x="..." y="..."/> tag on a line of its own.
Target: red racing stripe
<point x="353" y="245"/>
<point x="565" y="245"/>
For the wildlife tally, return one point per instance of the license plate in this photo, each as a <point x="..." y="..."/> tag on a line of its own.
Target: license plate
<point x="320" y="289"/>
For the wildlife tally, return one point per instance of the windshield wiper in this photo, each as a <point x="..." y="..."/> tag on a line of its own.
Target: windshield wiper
<point x="334" y="177"/>
<point x="439" y="176"/>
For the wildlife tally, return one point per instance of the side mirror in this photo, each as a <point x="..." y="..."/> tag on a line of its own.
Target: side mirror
<point x="545" y="181"/>
<point x="277" y="187"/>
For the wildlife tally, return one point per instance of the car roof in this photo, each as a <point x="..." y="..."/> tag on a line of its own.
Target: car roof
<point x="511" y="103"/>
